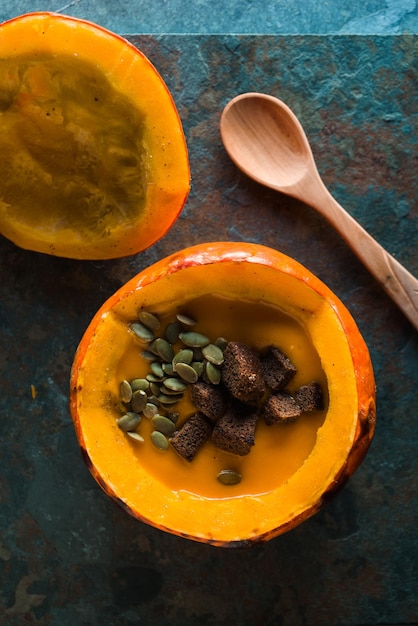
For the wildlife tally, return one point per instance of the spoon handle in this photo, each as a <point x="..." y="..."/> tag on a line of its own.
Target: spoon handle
<point x="395" y="279"/>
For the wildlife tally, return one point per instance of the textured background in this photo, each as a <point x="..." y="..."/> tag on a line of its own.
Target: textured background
<point x="68" y="555"/>
<point x="370" y="17"/>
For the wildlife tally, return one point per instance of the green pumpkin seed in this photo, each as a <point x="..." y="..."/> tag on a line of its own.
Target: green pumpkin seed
<point x="175" y="384"/>
<point x="154" y="388"/>
<point x="139" y="383"/>
<point x="171" y="392"/>
<point x="149" y="320"/>
<point x="152" y="347"/>
<point x="186" y="320"/>
<point x="172" y="332"/>
<point x="148" y="356"/>
<point x="159" y="440"/>
<point x="142" y="332"/>
<point x="213" y="354"/>
<point x="157" y="370"/>
<point x="135" y="436"/>
<point x="221" y="342"/>
<point x="173" y="416"/>
<point x="154" y="400"/>
<point x="121" y="408"/>
<point x="163" y="425"/>
<point x="149" y="410"/>
<point x="229" y="477"/>
<point x="129" y="421"/>
<point x="125" y="391"/>
<point x="168" y="369"/>
<point x="213" y="373"/>
<point x="166" y="399"/>
<point x="139" y="400"/>
<point x="164" y="349"/>
<point x="194" y="340"/>
<point x="183" y="356"/>
<point x="186" y="372"/>
<point x="198" y="366"/>
<point x="152" y="378"/>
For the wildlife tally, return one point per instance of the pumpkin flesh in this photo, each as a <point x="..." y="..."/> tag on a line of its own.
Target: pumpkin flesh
<point x="92" y="150"/>
<point x="290" y="468"/>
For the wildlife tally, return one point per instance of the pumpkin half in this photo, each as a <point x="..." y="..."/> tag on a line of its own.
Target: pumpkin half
<point x="243" y="292"/>
<point x="92" y="152"/>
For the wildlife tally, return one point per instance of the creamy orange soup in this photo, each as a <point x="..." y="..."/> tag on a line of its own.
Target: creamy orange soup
<point x="279" y="450"/>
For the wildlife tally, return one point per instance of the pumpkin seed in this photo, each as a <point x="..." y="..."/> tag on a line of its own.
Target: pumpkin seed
<point x="175" y="384"/>
<point x="221" y="342"/>
<point x="186" y="372"/>
<point x="154" y="400"/>
<point x="149" y="410"/>
<point x="142" y="332"/>
<point x="213" y="354"/>
<point x="167" y="399"/>
<point x="149" y="320"/>
<point x="153" y="349"/>
<point x="152" y="378"/>
<point x="148" y="356"/>
<point x="213" y="373"/>
<point x="154" y="388"/>
<point x="168" y="369"/>
<point x="125" y="391"/>
<point x="157" y="370"/>
<point x="185" y="319"/>
<point x="171" y="392"/>
<point x="172" y="332"/>
<point x="163" y="425"/>
<point x="129" y="421"/>
<point x="194" y="340"/>
<point x="183" y="356"/>
<point x="121" y="408"/>
<point x="159" y="440"/>
<point x="198" y="366"/>
<point x="135" y="436"/>
<point x="164" y="349"/>
<point x="229" y="477"/>
<point x="139" y="383"/>
<point x="139" y="400"/>
<point x="173" y="416"/>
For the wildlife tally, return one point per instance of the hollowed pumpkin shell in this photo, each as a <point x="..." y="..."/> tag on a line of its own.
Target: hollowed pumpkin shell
<point x="252" y="275"/>
<point x="92" y="152"/>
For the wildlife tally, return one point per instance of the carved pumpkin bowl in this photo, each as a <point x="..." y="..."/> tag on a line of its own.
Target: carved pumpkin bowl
<point x="250" y="295"/>
<point x="93" y="157"/>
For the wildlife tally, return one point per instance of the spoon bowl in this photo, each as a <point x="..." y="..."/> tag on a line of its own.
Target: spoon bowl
<point x="265" y="140"/>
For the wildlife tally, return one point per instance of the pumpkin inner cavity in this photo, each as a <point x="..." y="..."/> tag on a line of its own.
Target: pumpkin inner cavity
<point x="71" y="146"/>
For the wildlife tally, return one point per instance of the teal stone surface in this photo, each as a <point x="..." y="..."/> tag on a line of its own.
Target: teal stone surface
<point x="68" y="555"/>
<point x="310" y="17"/>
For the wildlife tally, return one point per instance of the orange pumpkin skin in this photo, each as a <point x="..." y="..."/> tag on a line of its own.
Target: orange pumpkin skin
<point x="130" y="177"/>
<point x="342" y="441"/>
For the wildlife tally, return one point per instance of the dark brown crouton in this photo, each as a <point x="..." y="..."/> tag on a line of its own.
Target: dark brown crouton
<point x="188" y="440"/>
<point x="309" y="397"/>
<point x="280" y="408"/>
<point x="235" y="434"/>
<point x="278" y="369"/>
<point x="242" y="373"/>
<point x="209" y="400"/>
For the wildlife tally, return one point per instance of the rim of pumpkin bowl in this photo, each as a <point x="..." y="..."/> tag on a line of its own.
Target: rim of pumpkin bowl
<point x="238" y="294"/>
<point x="92" y="150"/>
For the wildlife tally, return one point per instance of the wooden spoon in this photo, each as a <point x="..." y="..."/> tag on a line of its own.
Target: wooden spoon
<point x="266" y="141"/>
